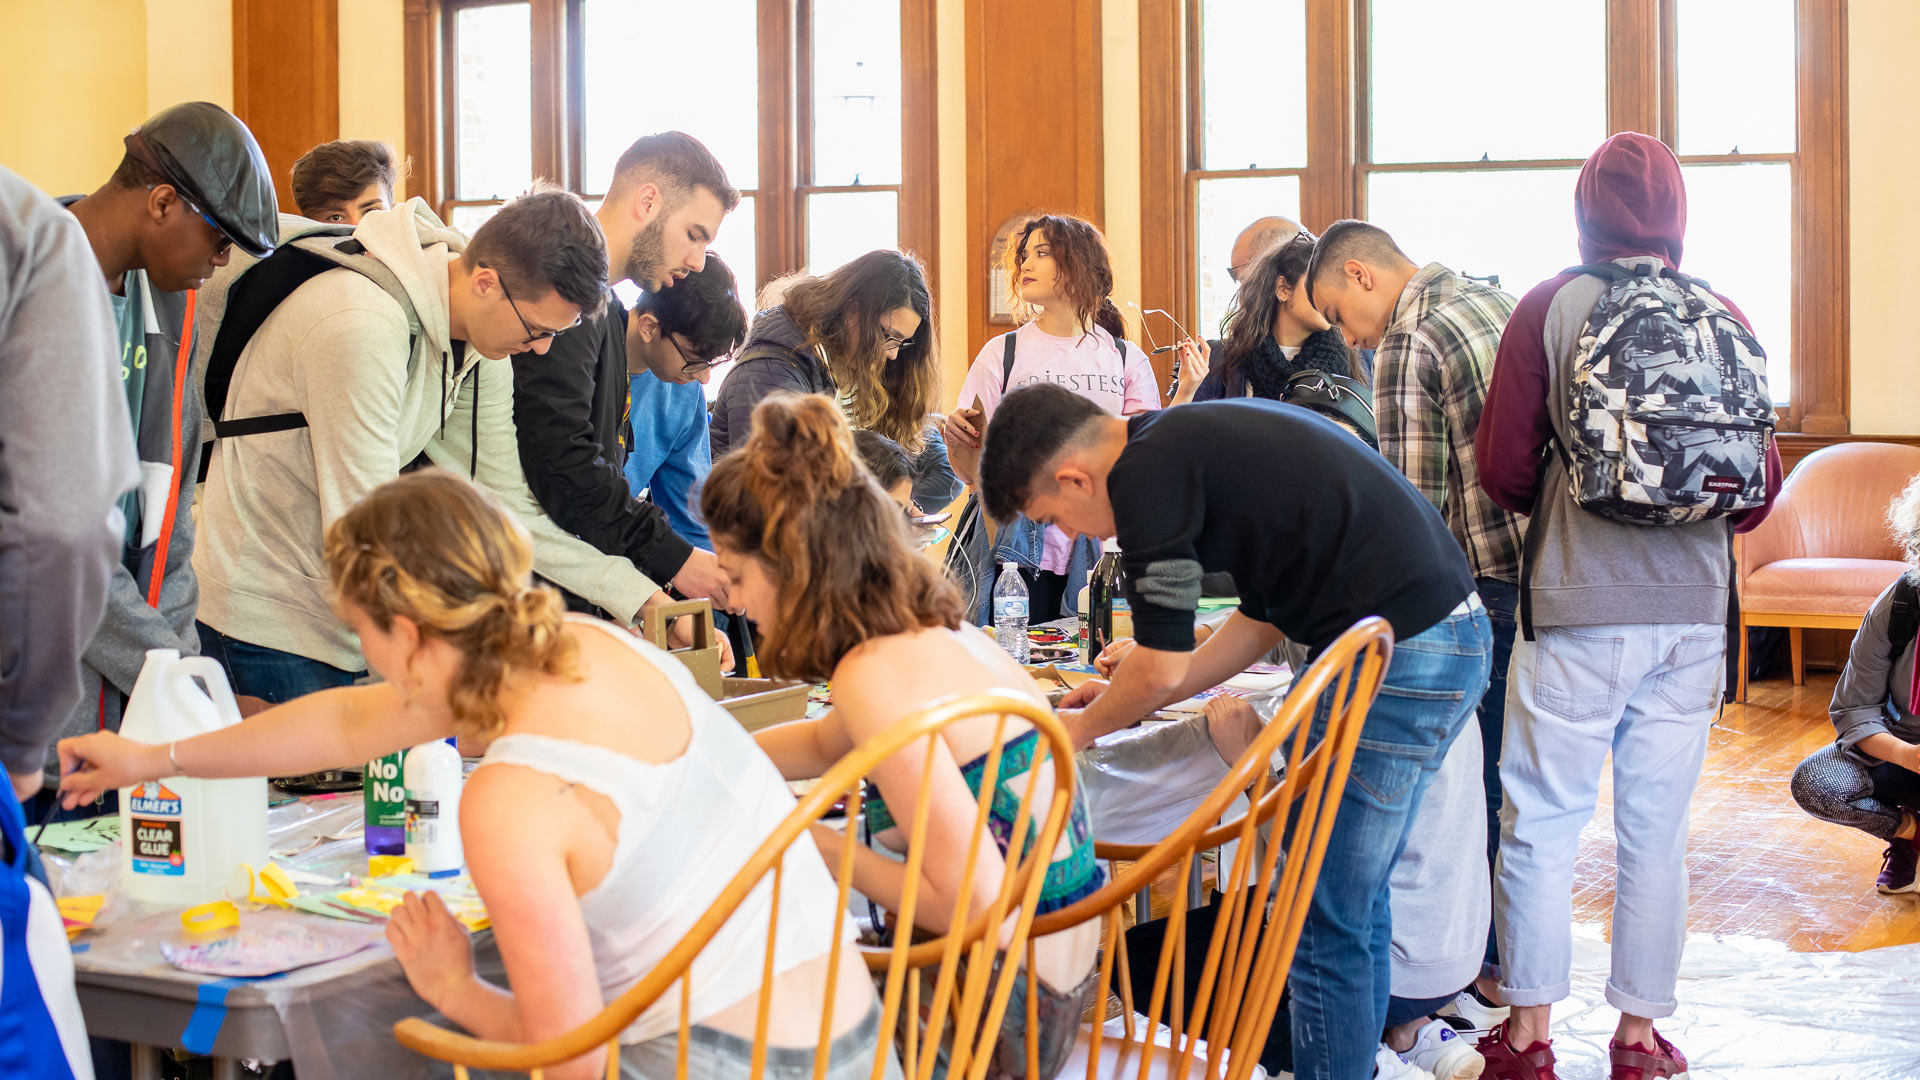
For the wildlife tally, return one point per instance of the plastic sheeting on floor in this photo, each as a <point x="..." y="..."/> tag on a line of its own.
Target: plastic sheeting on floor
<point x="1752" y="1010"/>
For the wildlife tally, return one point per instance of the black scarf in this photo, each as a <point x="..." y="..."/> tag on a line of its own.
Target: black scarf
<point x="1268" y="369"/>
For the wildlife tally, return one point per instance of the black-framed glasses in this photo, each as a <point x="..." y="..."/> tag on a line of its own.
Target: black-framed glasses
<point x="692" y="366"/>
<point x="226" y="242"/>
<point x="532" y="334"/>
<point x="894" y="341"/>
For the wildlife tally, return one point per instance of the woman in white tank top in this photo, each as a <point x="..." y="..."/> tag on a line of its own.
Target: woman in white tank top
<point x="615" y="801"/>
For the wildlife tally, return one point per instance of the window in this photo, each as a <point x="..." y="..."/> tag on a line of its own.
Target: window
<point x="1252" y="132"/>
<point x="1461" y="131"/>
<point x="821" y="111"/>
<point x="1467" y="170"/>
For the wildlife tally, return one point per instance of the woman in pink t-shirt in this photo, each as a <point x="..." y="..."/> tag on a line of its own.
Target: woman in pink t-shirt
<point x="1062" y="283"/>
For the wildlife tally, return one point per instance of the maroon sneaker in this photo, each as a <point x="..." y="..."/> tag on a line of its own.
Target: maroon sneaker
<point x="1638" y="1063"/>
<point x="1506" y="1063"/>
<point x="1897" y="868"/>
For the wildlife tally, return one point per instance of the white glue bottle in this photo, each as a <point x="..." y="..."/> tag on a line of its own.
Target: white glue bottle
<point x="184" y="840"/>
<point x="433" y="774"/>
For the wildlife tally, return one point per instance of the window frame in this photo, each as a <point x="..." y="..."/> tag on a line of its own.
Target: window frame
<point x="1641" y="69"/>
<point x="785" y="104"/>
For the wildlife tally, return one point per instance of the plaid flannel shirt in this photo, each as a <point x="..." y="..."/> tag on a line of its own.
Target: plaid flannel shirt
<point x="1430" y="380"/>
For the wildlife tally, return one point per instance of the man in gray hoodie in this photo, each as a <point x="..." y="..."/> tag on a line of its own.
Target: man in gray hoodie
<point x="1623" y="657"/>
<point x="375" y="393"/>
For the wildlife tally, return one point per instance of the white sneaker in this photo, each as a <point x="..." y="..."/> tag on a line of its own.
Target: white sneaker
<point x="1482" y="1017"/>
<point x="1388" y="1065"/>
<point x="1441" y="1051"/>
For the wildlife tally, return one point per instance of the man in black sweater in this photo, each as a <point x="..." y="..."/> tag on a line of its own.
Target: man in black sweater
<point x="1333" y="537"/>
<point x="667" y="200"/>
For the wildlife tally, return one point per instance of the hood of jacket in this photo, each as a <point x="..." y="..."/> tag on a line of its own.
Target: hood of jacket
<point x="413" y="243"/>
<point x="1630" y="200"/>
<point x="774" y="327"/>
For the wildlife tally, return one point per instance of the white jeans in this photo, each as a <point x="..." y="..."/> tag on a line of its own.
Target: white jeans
<point x="1649" y="692"/>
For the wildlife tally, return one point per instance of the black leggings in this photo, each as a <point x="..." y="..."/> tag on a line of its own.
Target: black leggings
<point x="1833" y="786"/>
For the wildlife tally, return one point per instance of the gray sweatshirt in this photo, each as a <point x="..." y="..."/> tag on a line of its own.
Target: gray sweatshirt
<point x="65" y="459"/>
<point x="1874" y="691"/>
<point x="338" y="351"/>
<point x="1590" y="571"/>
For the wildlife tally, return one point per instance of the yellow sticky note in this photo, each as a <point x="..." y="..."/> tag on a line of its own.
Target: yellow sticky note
<point x="388" y="865"/>
<point x="211" y="917"/>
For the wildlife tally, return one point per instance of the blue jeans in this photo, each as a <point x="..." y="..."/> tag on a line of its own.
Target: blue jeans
<point x="274" y="676"/>
<point x="1341" y="977"/>
<point x="1503" y="601"/>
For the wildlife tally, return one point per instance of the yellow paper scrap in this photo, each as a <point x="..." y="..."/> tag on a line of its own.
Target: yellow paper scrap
<point x="211" y="917"/>
<point x="270" y="885"/>
<point x="81" y="908"/>
<point x="373" y="899"/>
<point x="388" y="865"/>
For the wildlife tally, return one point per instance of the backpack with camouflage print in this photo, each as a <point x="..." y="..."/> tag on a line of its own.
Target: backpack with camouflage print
<point x="1670" y="416"/>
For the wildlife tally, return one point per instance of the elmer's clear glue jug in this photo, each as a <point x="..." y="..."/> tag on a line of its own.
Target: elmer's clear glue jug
<point x="185" y="840"/>
<point x="434" y="773"/>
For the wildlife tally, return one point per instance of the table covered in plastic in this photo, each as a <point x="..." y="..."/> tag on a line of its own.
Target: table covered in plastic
<point x="334" y="1021"/>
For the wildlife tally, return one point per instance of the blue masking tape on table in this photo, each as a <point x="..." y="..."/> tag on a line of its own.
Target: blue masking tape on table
<point x="203" y="1027"/>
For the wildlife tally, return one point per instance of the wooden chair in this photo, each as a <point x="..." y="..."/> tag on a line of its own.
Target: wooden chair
<point x="1006" y="920"/>
<point x="1245" y="967"/>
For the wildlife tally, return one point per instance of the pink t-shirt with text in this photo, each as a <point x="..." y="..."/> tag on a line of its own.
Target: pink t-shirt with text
<point x="1087" y="364"/>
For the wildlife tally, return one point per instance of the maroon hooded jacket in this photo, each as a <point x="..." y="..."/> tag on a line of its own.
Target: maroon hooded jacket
<point x="1630" y="200"/>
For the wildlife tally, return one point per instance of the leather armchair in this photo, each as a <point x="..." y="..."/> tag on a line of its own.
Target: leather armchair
<point x="1825" y="552"/>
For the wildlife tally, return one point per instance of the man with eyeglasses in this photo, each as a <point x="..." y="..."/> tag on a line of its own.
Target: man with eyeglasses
<point x="665" y="203"/>
<point x="191" y="186"/>
<point x="393" y="354"/>
<point x="675" y="338"/>
<point x="1256" y="240"/>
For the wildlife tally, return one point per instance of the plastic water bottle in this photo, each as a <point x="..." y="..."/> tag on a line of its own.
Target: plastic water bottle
<point x="433" y="774"/>
<point x="1010" y="612"/>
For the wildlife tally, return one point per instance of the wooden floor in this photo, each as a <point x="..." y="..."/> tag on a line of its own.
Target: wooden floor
<point x="1760" y="867"/>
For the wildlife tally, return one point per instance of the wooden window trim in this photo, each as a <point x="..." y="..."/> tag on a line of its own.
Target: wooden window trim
<point x="559" y="91"/>
<point x="1641" y="75"/>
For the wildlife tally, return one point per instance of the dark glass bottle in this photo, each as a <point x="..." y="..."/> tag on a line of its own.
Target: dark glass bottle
<point x="1103" y="588"/>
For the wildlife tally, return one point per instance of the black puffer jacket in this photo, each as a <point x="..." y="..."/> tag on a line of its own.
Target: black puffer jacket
<point x="1268" y="369"/>
<point x="763" y="371"/>
<point x="775" y="359"/>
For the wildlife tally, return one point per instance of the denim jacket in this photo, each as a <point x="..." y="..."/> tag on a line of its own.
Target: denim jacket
<point x="1022" y="542"/>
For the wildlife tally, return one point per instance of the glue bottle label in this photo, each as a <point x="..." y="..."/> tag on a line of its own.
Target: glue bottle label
<point x="156" y="815"/>
<point x="423" y="821"/>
